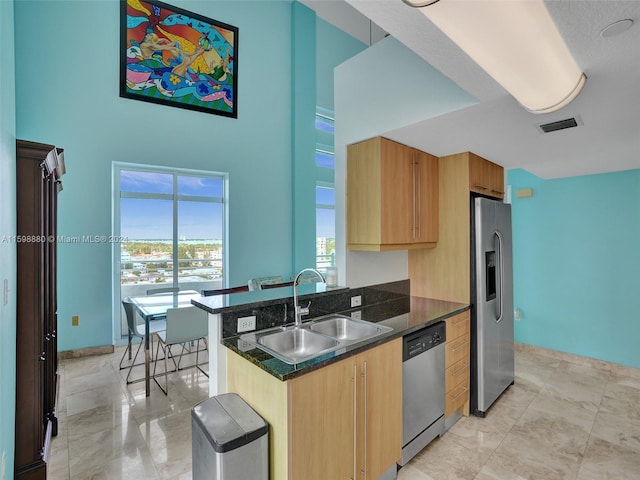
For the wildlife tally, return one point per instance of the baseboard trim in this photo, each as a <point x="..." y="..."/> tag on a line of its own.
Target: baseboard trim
<point x="85" y="352"/>
<point x="614" y="368"/>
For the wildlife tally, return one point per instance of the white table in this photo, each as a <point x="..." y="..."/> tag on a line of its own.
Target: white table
<point x="154" y="307"/>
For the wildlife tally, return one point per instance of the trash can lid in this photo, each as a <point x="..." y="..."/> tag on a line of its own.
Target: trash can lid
<point x="228" y="421"/>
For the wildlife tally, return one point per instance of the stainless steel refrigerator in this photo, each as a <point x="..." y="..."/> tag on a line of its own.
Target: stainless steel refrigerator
<point x="492" y="357"/>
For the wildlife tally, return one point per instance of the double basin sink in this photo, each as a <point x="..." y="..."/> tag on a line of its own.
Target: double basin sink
<point x="297" y="344"/>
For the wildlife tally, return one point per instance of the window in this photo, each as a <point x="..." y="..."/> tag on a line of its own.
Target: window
<point x="172" y="226"/>
<point x="324" y="157"/>
<point x="325" y="226"/>
<point x="325" y="193"/>
<point x="324" y="139"/>
<point x="324" y="122"/>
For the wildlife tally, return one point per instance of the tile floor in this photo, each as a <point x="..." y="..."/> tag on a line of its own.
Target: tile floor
<point x="565" y="418"/>
<point x="109" y="430"/>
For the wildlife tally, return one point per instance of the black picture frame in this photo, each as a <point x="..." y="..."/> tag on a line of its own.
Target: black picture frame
<point x="170" y="56"/>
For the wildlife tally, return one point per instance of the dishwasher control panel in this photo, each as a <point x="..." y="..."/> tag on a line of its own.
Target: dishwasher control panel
<point x="425" y="339"/>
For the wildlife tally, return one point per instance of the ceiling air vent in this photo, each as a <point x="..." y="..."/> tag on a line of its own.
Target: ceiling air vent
<point x="560" y="124"/>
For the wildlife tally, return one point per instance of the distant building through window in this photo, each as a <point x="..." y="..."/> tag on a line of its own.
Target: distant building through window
<point x="325" y="226"/>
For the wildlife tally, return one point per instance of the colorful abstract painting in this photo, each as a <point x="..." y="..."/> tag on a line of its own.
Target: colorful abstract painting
<point x="174" y="57"/>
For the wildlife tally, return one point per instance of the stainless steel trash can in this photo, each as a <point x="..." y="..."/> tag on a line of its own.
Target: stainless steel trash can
<point x="230" y="441"/>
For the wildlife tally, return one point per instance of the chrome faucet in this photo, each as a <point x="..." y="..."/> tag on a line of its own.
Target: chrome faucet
<point x="300" y="311"/>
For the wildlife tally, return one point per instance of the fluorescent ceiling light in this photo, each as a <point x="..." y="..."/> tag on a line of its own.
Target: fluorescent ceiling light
<point x="514" y="41"/>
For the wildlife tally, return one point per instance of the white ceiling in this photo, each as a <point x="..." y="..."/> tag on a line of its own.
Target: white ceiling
<point x="497" y="128"/>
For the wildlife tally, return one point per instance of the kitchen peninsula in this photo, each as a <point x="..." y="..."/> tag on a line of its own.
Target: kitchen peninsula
<point x="269" y="307"/>
<point x="340" y="411"/>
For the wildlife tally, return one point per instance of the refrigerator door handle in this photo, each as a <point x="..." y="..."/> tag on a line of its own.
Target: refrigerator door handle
<point x="500" y="299"/>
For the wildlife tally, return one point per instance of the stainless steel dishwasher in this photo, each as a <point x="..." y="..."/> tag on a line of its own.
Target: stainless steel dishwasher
<point x="422" y="388"/>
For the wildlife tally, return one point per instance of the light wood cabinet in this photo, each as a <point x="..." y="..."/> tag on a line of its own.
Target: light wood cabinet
<point x="457" y="349"/>
<point x="343" y="421"/>
<point x="322" y="423"/>
<point x="457" y="399"/>
<point x="457" y="364"/>
<point x="485" y="177"/>
<point x="379" y="409"/>
<point x="444" y="272"/>
<point x="392" y="196"/>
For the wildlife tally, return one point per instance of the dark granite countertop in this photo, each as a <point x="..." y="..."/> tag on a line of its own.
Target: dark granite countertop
<point x="404" y="315"/>
<point x="262" y="298"/>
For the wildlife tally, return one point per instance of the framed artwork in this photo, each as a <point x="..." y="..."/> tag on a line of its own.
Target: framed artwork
<point x="174" y="57"/>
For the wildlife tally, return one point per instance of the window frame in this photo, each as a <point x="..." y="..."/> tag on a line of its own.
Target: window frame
<point x="175" y="198"/>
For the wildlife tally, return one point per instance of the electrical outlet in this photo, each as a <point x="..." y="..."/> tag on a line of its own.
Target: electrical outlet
<point x="245" y="346"/>
<point x="75" y="321"/>
<point x="517" y="314"/>
<point x="3" y="465"/>
<point x="246" y="324"/>
<point x="5" y="290"/>
<point x="356" y="301"/>
<point x="357" y="315"/>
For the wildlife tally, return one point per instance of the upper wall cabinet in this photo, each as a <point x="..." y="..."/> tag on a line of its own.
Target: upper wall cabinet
<point x="392" y="196"/>
<point x="485" y="177"/>
<point x="443" y="272"/>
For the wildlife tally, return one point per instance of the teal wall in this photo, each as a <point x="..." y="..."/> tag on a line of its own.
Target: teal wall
<point x="577" y="264"/>
<point x="76" y="106"/>
<point x="303" y="100"/>
<point x="8" y="228"/>
<point x="333" y="47"/>
<point x="313" y="61"/>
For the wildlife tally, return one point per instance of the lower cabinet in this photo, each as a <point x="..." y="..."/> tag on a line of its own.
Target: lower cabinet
<point x="343" y="421"/>
<point x="457" y="365"/>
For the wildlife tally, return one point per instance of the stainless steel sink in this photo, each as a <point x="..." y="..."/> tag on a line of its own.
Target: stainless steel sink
<point x="310" y="340"/>
<point x="347" y="329"/>
<point x="296" y="345"/>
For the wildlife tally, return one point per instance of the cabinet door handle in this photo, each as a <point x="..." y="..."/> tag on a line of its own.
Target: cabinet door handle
<point x="355" y="422"/>
<point x="364" y="471"/>
<point x="419" y="199"/>
<point x="455" y="349"/>
<point x="460" y="394"/>
<point x="460" y="370"/>
<point x="483" y="187"/>
<point x="413" y="185"/>
<point x="462" y="320"/>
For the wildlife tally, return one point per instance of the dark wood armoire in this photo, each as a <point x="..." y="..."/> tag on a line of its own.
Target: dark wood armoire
<point x="39" y="168"/>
